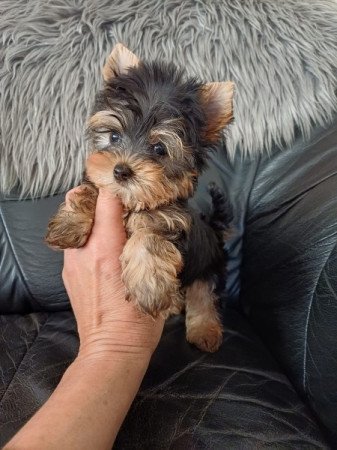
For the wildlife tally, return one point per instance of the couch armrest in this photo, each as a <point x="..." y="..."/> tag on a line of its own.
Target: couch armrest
<point x="30" y="273"/>
<point x="289" y="273"/>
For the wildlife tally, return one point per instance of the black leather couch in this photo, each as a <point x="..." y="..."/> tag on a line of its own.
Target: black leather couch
<point x="273" y="383"/>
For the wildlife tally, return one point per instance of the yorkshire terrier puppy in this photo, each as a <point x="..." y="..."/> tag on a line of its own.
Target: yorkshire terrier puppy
<point x="151" y="132"/>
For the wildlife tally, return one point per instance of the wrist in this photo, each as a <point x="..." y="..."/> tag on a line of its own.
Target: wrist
<point x="123" y="340"/>
<point x="105" y="346"/>
<point x="93" y="360"/>
<point x="107" y="353"/>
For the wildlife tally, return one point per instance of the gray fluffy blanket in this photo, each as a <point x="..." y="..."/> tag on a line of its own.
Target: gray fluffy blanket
<point x="282" y="55"/>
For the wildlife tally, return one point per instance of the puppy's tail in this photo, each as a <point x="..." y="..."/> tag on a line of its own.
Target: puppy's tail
<point x="222" y="213"/>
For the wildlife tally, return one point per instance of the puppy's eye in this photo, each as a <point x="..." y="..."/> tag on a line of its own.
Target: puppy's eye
<point x="159" y="149"/>
<point x="115" y="137"/>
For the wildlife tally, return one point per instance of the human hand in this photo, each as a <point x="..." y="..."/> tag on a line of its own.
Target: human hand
<point x="108" y="325"/>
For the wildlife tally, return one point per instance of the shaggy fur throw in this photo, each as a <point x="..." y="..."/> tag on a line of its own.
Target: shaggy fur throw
<point x="281" y="54"/>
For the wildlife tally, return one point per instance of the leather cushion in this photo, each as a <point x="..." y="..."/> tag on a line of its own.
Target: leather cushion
<point x="235" y="398"/>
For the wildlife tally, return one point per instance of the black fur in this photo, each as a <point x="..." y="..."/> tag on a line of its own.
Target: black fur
<point x="222" y="213"/>
<point x="151" y="94"/>
<point x="203" y="248"/>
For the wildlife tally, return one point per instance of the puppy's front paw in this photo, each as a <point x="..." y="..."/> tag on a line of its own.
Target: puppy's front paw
<point x="150" y="267"/>
<point x="67" y="230"/>
<point x="72" y="224"/>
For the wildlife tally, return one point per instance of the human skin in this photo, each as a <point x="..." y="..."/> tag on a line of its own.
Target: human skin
<point x="89" y="405"/>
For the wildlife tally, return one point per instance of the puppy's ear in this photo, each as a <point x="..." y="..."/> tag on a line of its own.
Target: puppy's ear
<point x="118" y="63"/>
<point x="217" y="101"/>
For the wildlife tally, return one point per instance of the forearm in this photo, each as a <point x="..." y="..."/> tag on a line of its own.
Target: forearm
<point x="87" y="408"/>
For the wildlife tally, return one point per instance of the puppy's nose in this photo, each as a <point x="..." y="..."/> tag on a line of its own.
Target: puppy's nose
<point x="122" y="172"/>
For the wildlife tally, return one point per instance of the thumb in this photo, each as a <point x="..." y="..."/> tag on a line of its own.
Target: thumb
<point x="108" y="216"/>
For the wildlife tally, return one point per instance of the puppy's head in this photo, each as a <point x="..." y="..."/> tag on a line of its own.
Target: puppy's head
<point x="152" y="129"/>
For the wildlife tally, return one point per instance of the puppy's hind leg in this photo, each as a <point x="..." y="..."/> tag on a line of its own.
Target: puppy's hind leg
<point x="203" y="323"/>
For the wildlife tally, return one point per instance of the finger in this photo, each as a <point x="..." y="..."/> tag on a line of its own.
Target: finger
<point x="109" y="215"/>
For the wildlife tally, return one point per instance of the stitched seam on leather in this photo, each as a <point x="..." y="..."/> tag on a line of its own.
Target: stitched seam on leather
<point x="304" y="381"/>
<point x="9" y="240"/>
<point x="23" y="357"/>
<point x="251" y="191"/>
<point x="244" y="225"/>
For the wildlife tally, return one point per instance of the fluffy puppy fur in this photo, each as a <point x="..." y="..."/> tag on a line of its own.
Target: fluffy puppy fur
<point x="151" y="132"/>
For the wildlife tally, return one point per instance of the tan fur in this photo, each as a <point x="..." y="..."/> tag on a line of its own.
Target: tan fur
<point x="71" y="228"/>
<point x="149" y="188"/>
<point x="118" y="62"/>
<point x="203" y="324"/>
<point x="151" y="265"/>
<point x="168" y="221"/>
<point x="104" y="119"/>
<point x="217" y="100"/>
